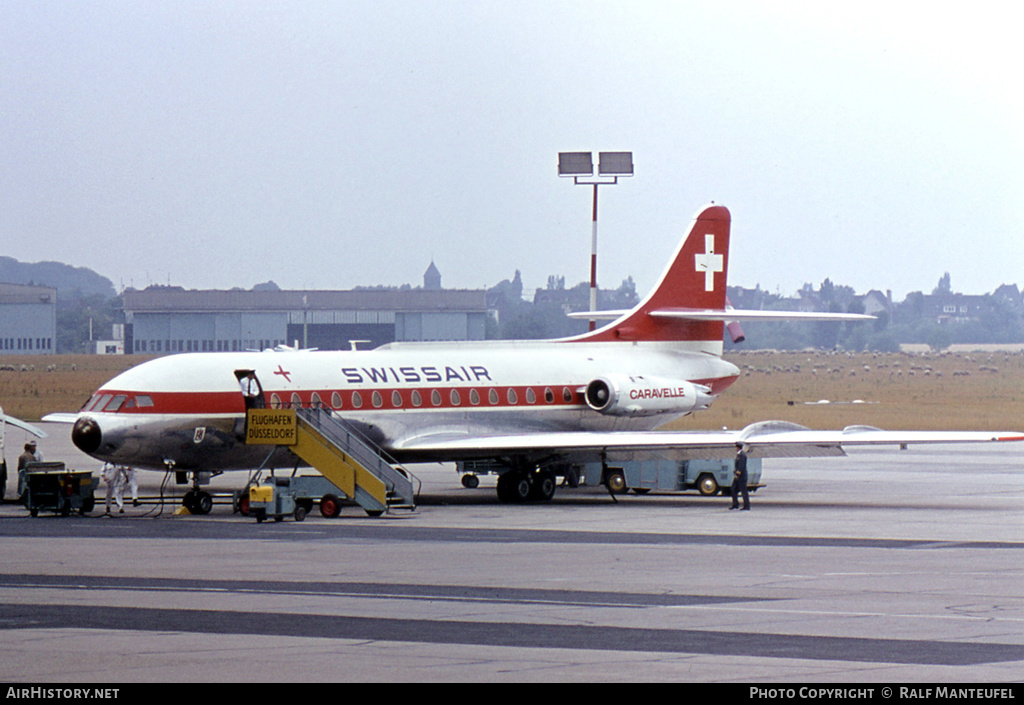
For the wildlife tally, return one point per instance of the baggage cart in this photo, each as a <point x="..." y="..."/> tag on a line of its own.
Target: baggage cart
<point x="51" y="486"/>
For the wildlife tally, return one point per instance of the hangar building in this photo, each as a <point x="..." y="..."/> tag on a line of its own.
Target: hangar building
<point x="28" y="319"/>
<point x="161" y="319"/>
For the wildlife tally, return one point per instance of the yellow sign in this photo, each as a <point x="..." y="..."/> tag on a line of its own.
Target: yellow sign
<point x="275" y="427"/>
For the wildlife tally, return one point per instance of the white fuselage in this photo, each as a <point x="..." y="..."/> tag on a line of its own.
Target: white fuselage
<point x="187" y="411"/>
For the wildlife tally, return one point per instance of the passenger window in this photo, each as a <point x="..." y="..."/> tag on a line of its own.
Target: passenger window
<point x="396" y="399"/>
<point x="296" y="401"/>
<point x="417" y="400"/>
<point x="455" y="398"/>
<point x="435" y="398"/>
<point x="492" y="396"/>
<point x="357" y="400"/>
<point x="549" y="396"/>
<point x="378" y="401"/>
<point x="531" y="398"/>
<point x="513" y="398"/>
<point x="336" y="400"/>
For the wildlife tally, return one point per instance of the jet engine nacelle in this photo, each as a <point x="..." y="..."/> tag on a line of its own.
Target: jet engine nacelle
<point x="623" y="395"/>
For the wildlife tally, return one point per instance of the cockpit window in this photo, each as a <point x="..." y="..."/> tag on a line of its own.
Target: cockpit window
<point x="115" y="403"/>
<point x="100" y="403"/>
<point x="144" y="400"/>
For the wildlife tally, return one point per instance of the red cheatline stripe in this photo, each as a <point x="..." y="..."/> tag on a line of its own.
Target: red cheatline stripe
<point x="372" y="399"/>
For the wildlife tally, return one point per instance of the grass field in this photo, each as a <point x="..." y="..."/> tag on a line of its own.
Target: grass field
<point x="963" y="391"/>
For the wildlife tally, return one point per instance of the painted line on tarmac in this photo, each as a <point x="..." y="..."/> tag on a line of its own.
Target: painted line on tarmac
<point x="516" y="635"/>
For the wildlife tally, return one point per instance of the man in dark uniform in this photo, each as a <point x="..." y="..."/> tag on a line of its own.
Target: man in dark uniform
<point x="739" y="481"/>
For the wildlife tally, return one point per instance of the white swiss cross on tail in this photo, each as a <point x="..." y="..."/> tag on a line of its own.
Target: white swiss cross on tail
<point x="709" y="262"/>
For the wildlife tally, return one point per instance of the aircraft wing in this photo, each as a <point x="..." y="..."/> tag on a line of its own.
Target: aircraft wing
<point x="770" y="439"/>
<point x="23" y="425"/>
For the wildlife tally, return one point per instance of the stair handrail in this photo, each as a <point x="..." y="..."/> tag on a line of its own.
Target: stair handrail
<point x="363" y="450"/>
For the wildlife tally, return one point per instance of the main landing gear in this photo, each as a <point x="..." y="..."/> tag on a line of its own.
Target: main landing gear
<point x="520" y="485"/>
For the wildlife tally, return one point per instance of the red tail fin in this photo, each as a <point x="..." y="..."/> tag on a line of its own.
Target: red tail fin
<point x="695" y="279"/>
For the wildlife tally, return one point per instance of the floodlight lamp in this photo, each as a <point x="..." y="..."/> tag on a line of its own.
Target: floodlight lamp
<point x="575" y="164"/>
<point x="615" y="164"/>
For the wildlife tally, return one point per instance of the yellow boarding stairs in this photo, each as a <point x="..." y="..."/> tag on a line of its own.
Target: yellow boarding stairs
<point x="355" y="465"/>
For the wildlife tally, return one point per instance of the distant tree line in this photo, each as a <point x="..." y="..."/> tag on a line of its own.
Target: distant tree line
<point x="939" y="319"/>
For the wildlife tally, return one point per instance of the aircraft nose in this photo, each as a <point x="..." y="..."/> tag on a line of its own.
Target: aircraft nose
<point x="86" y="435"/>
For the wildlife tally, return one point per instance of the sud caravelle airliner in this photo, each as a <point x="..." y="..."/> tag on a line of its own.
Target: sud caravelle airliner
<point x="532" y="408"/>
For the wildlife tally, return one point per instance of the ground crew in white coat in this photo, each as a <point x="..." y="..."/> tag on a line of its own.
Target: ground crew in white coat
<point x="116" y="478"/>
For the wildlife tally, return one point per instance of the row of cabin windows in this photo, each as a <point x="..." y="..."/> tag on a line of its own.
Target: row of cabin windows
<point x="436" y="397"/>
<point x="124" y="402"/>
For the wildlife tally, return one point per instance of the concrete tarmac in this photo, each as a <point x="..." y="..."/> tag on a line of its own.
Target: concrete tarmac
<point x="885" y="566"/>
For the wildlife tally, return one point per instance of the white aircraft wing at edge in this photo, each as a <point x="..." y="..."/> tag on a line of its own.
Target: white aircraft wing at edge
<point x="767" y="439"/>
<point x="23" y="425"/>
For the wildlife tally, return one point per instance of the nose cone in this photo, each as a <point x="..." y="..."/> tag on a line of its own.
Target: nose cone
<point x="86" y="435"/>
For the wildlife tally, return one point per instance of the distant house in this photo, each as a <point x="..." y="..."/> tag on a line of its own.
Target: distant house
<point x="1010" y="294"/>
<point x="949" y="307"/>
<point x="876" y="302"/>
<point x="28" y="319"/>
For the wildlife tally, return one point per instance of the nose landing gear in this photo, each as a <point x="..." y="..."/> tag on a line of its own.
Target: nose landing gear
<point x="196" y="500"/>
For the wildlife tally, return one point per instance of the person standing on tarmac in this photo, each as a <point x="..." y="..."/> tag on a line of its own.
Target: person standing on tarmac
<point x="133" y="484"/>
<point x="114" y="476"/>
<point x="31" y="455"/>
<point x="739" y="482"/>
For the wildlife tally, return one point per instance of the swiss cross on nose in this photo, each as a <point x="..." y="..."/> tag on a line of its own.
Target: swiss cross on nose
<point x="709" y="262"/>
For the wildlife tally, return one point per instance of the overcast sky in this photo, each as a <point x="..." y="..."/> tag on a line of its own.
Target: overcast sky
<point x="334" y="144"/>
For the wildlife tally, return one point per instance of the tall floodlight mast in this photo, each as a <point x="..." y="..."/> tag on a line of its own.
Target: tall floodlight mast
<point x="580" y="166"/>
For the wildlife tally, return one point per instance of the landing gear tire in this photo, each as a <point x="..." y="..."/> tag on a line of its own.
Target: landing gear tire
<point x="204" y="503"/>
<point x="513" y="486"/>
<point x="198" y="502"/>
<point x="470" y="482"/>
<point x="543" y="488"/>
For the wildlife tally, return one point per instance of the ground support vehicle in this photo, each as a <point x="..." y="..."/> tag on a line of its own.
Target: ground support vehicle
<point x="280" y="497"/>
<point x="709" y="477"/>
<point x="53" y="487"/>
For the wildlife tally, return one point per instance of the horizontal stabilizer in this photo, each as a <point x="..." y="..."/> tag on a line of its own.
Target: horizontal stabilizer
<point x="730" y="314"/>
<point x="735" y="314"/>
